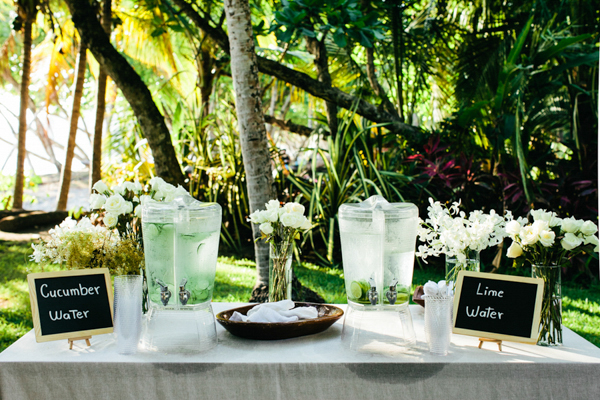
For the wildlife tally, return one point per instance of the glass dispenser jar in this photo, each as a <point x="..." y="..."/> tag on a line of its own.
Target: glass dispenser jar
<point x="181" y="242"/>
<point x="378" y="250"/>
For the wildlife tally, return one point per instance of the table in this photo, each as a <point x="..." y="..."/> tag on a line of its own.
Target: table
<point x="311" y="367"/>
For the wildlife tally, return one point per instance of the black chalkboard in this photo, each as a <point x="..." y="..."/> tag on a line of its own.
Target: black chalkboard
<point x="71" y="303"/>
<point x="497" y="306"/>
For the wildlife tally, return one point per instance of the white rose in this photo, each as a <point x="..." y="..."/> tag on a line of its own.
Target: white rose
<point x="292" y="220"/>
<point x="294" y="208"/>
<point x="114" y="204"/>
<point x="306" y="225"/>
<point x="272" y="204"/>
<point x="258" y="217"/>
<point x="593" y="239"/>
<point x="100" y="187"/>
<point x="555" y="221"/>
<point x="547" y="238"/>
<point x="266" y="228"/>
<point x="169" y="192"/>
<point x="137" y="187"/>
<point x="571" y="225"/>
<point x="589" y="228"/>
<point x="513" y="227"/>
<point x="540" y="225"/>
<point x="110" y="220"/>
<point x="271" y="215"/>
<point x="514" y="250"/>
<point x="129" y="186"/>
<point x="156" y="183"/>
<point x="541" y="215"/>
<point x="127" y="207"/>
<point x="118" y="189"/>
<point x="529" y="235"/>
<point x="138" y="211"/>
<point x="96" y="201"/>
<point x="570" y="241"/>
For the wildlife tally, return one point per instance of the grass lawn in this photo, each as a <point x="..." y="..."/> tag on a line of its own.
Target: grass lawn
<point x="234" y="282"/>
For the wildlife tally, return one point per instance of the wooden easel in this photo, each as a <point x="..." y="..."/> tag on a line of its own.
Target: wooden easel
<point x="497" y="341"/>
<point x="86" y="338"/>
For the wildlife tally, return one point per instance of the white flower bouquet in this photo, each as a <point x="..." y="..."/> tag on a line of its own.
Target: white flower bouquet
<point x="547" y="243"/>
<point x="448" y="231"/>
<point x="549" y="239"/>
<point x="279" y="227"/>
<point x="80" y="244"/>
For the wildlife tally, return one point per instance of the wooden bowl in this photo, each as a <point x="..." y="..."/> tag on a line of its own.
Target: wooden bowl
<point x="418" y="296"/>
<point x="328" y="314"/>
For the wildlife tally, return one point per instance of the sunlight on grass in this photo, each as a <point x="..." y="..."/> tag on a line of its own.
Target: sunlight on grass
<point x="581" y="312"/>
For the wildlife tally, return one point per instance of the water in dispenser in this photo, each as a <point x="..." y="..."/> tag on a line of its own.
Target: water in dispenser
<point x="181" y="242"/>
<point x="378" y="250"/>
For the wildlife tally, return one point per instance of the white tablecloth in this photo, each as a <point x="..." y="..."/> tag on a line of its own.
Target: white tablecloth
<point x="310" y="367"/>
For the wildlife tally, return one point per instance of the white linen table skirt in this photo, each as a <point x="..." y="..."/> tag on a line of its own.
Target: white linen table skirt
<point x="316" y="367"/>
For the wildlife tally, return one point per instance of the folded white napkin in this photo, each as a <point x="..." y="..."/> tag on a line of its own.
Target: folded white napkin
<point x="281" y="311"/>
<point x="438" y="289"/>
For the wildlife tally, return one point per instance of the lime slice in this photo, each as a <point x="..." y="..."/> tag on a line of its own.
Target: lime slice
<point x="355" y="290"/>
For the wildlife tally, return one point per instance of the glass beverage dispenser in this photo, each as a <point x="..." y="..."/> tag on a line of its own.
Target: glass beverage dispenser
<point x="181" y="243"/>
<point x="378" y="250"/>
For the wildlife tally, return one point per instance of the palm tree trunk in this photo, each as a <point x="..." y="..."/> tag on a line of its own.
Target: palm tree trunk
<point x="65" y="176"/>
<point x="251" y="122"/>
<point x="96" y="166"/>
<point x="25" y="79"/>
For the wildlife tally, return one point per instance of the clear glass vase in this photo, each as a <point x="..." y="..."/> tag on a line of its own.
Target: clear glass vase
<point x="280" y="272"/>
<point x="550" y="331"/>
<point x="453" y="266"/>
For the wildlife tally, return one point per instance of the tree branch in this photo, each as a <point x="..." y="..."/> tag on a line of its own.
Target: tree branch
<point x="289" y="125"/>
<point x="302" y="80"/>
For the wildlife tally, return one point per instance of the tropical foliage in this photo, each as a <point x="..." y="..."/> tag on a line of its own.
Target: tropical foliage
<point x="481" y="102"/>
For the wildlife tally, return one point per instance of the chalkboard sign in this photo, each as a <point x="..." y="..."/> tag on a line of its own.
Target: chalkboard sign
<point x="69" y="304"/>
<point x="498" y="306"/>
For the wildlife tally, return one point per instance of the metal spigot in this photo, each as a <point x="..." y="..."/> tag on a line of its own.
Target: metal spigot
<point x="184" y="294"/>
<point x="165" y="293"/>
<point x="373" y="295"/>
<point x="392" y="294"/>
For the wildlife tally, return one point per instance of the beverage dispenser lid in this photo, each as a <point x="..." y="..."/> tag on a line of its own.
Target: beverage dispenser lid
<point x="366" y="208"/>
<point x="195" y="207"/>
<point x="168" y="211"/>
